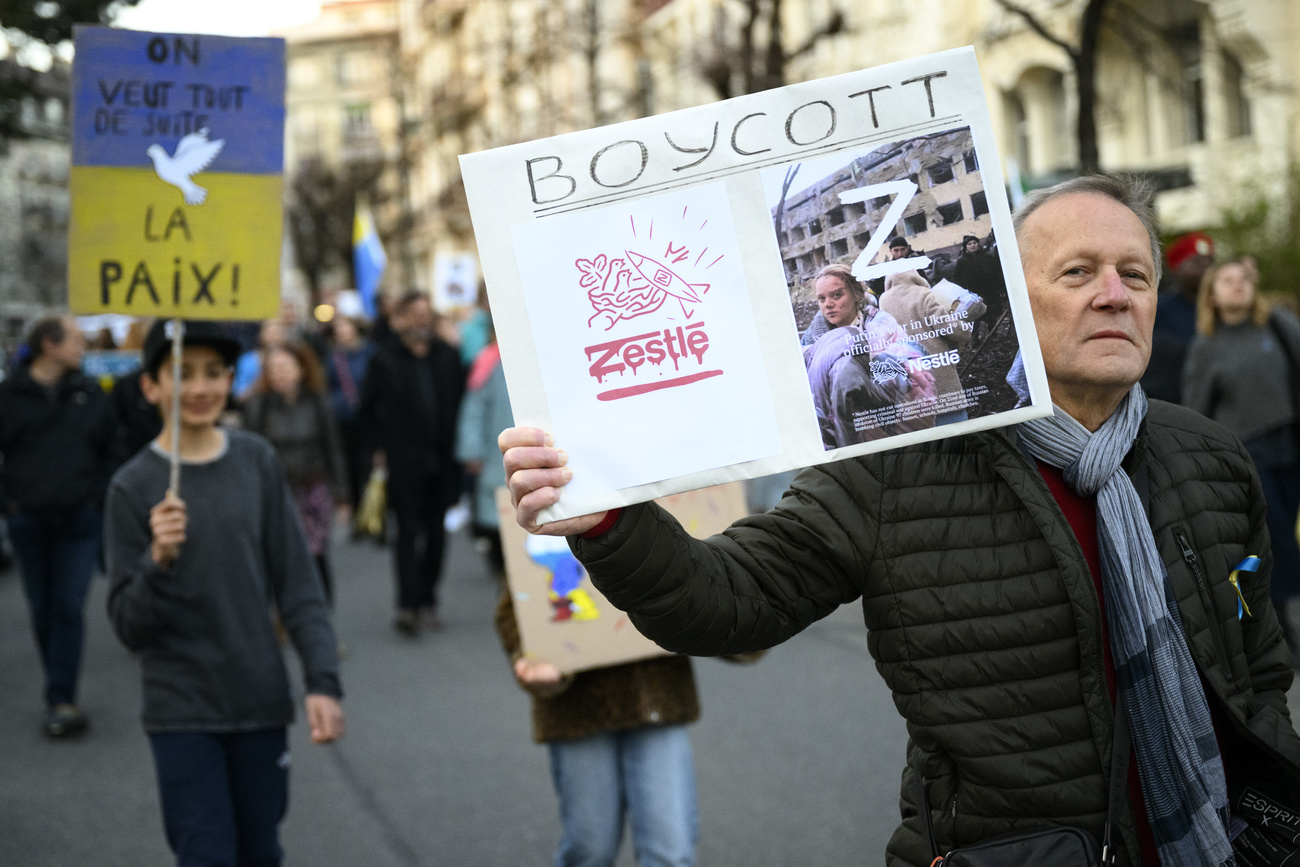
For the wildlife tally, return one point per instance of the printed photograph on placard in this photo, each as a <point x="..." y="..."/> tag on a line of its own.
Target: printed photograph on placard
<point x="897" y="287"/>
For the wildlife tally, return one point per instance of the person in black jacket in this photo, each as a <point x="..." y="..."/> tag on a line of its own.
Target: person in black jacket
<point x="409" y="405"/>
<point x="57" y="437"/>
<point x="980" y="271"/>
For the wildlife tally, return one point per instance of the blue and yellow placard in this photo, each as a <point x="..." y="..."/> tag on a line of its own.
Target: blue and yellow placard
<point x="177" y="155"/>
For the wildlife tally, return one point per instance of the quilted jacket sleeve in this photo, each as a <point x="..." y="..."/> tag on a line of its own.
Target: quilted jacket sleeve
<point x="765" y="579"/>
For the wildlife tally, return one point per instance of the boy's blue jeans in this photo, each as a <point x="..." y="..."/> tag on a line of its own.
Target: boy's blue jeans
<point x="56" y="554"/>
<point x="223" y="795"/>
<point x="647" y="774"/>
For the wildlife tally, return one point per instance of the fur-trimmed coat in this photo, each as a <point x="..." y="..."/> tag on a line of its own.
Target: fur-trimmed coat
<point x="658" y="691"/>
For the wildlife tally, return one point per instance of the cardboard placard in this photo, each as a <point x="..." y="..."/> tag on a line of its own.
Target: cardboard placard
<point x="563" y="618"/>
<point x="655" y="294"/>
<point x="177" y="155"/>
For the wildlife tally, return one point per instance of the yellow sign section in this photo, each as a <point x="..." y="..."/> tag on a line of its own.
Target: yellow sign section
<point x="136" y="247"/>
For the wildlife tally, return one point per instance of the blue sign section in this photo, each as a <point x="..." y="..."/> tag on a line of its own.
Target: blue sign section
<point x="132" y="91"/>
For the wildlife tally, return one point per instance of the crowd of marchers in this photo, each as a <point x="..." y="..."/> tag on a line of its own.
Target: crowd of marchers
<point x="1099" y="595"/>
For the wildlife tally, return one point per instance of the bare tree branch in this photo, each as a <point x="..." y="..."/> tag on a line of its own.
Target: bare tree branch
<point x="1038" y="27"/>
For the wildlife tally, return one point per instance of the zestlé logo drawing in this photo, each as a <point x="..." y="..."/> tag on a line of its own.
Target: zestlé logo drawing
<point x="629" y="284"/>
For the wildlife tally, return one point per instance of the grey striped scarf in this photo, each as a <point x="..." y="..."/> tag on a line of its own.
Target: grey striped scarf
<point x="1177" y="754"/>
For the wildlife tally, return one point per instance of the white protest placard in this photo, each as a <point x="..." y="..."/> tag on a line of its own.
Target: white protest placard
<point x="656" y="294"/>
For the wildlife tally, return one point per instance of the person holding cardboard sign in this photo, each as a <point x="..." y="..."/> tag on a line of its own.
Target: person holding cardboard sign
<point x="1017" y="583"/>
<point x="191" y="572"/>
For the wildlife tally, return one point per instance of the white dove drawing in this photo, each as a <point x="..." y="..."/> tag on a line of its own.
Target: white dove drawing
<point x="194" y="153"/>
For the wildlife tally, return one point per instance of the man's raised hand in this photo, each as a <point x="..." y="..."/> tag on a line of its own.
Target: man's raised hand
<point x="535" y="472"/>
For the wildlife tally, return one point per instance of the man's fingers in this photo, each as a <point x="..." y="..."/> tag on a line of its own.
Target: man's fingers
<point x="533" y="457"/>
<point x="518" y="437"/>
<point x="524" y="482"/>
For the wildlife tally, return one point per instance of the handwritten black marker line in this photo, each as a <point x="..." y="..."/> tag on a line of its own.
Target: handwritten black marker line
<point x="797" y="156"/>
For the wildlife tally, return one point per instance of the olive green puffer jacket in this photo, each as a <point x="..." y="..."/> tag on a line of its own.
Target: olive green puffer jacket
<point x="982" y="615"/>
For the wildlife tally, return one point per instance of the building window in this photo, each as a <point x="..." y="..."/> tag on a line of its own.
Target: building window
<point x="302" y="73"/>
<point x="353" y="68"/>
<point x="971" y="163"/>
<point x="862" y="239"/>
<point x="782" y="238"/>
<point x="1235" y="103"/>
<point x="839" y="248"/>
<point x="855" y="209"/>
<point x="814" y="227"/>
<point x="940" y="174"/>
<point x="835" y="216"/>
<point x="979" y="204"/>
<point x="356" y="120"/>
<point x="880" y="202"/>
<point x="796" y="233"/>
<point x="915" y="224"/>
<point x="950" y="213"/>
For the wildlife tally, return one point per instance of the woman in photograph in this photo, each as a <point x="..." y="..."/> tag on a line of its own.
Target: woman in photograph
<point x="1241" y="372"/>
<point x="857" y="363"/>
<point x="289" y="406"/>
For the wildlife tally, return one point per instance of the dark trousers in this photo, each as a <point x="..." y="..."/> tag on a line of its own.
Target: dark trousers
<point x="223" y="795"/>
<point x="419" y="505"/>
<point x="57" y="553"/>
<point x="357" y="460"/>
<point x="1281" y="486"/>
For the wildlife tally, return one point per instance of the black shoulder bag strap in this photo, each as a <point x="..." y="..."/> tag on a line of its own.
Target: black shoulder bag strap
<point x="1119" y="755"/>
<point x="1119" y="750"/>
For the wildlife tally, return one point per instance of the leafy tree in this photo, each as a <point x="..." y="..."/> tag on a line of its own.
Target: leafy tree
<point x="44" y="21"/>
<point x="51" y="21"/>
<point x="1266" y="225"/>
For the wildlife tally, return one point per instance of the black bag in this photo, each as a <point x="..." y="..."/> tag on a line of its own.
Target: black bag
<point x="1059" y="846"/>
<point x="1063" y="845"/>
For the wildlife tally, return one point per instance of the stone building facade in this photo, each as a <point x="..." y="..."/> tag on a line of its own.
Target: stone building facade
<point x="343" y="111"/>
<point x="1204" y="95"/>
<point x="34" y="209"/>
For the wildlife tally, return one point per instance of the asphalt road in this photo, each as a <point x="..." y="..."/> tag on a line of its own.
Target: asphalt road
<point x="797" y="757"/>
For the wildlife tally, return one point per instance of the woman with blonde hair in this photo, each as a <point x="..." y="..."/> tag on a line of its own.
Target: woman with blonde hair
<point x="857" y="359"/>
<point x="1241" y="372"/>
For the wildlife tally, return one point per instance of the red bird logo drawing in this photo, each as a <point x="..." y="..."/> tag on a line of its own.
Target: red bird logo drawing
<point x="633" y="285"/>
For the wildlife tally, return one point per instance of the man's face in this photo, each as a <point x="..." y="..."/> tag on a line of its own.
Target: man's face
<point x="835" y="301"/>
<point x="205" y="385"/>
<point x="1092" y="287"/>
<point x="897" y="252"/>
<point x="416" y="321"/>
<point x="69" y="351"/>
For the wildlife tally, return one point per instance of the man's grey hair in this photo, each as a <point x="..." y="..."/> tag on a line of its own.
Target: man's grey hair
<point x="1132" y="191"/>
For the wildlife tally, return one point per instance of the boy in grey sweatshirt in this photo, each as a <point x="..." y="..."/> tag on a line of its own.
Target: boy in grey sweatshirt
<point x="193" y="577"/>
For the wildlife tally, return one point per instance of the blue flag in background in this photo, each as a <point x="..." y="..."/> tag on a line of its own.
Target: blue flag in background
<point x="368" y="259"/>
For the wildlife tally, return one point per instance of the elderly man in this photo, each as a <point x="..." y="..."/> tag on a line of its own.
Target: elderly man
<point x="1014" y="582"/>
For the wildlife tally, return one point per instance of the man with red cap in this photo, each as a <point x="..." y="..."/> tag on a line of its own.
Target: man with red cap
<point x="1189" y="257"/>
